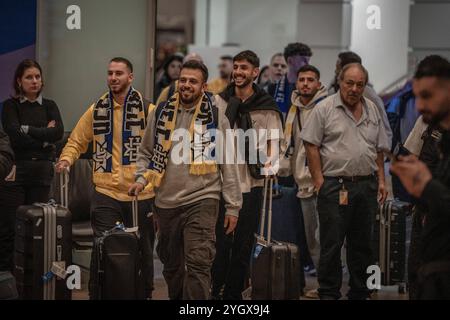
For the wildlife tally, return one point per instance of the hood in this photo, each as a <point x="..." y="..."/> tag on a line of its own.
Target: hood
<point x="320" y="95"/>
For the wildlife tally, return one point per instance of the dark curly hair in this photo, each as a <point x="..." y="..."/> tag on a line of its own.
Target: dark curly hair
<point x="297" y="48"/>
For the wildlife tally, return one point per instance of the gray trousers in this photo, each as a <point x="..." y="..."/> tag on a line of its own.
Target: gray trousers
<point x="186" y="247"/>
<point x="311" y="222"/>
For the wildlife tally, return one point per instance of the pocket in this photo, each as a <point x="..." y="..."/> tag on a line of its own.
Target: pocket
<point x="373" y="186"/>
<point x="329" y="187"/>
<point x="323" y="187"/>
<point x="372" y="132"/>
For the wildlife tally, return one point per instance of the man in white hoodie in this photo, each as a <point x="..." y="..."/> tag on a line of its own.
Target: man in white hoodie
<point x="309" y="91"/>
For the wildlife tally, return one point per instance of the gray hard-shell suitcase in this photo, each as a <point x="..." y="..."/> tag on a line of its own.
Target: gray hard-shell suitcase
<point x="43" y="243"/>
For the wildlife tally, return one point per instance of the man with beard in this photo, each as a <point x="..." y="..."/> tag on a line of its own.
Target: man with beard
<point x="217" y="85"/>
<point x="344" y="138"/>
<point x="187" y="191"/>
<point x="169" y="91"/>
<point x="309" y="92"/>
<point x="115" y="124"/>
<point x="297" y="55"/>
<point x="247" y="108"/>
<point x="431" y="87"/>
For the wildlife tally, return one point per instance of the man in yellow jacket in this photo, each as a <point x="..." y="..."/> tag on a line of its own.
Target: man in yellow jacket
<point x="115" y="124"/>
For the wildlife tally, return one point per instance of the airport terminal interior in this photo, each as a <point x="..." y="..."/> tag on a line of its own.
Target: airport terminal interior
<point x="355" y="89"/>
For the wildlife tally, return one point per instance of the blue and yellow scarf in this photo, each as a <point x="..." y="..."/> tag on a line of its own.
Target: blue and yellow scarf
<point x="134" y="123"/>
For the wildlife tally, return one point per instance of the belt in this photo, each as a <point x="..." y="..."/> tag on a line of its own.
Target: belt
<point x="353" y="178"/>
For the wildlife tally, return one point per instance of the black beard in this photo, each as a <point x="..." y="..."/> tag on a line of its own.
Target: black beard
<point x="185" y="102"/>
<point x="307" y="95"/>
<point x="245" y="84"/>
<point x="188" y="101"/>
<point x="435" y="120"/>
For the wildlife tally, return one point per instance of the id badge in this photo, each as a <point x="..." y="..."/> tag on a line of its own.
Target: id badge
<point x="12" y="175"/>
<point x="343" y="197"/>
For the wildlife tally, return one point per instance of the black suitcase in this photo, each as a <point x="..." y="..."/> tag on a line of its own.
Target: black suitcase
<point x="43" y="240"/>
<point x="276" y="265"/>
<point x="390" y="242"/>
<point x="8" y="287"/>
<point x="117" y="264"/>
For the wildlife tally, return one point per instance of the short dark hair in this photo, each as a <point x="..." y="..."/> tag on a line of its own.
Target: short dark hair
<point x="348" y="57"/>
<point x="227" y="57"/>
<point x="433" y="66"/>
<point x="311" y="68"/>
<point x="351" y="65"/>
<point x="263" y="69"/>
<point x="248" y="55"/>
<point x="297" y="48"/>
<point x="20" y="70"/>
<point x="123" y="60"/>
<point x="197" y="65"/>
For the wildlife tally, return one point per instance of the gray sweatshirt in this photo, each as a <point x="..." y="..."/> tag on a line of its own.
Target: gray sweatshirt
<point x="178" y="187"/>
<point x="296" y="164"/>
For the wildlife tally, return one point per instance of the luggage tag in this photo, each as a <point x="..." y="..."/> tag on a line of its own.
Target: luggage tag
<point x="12" y="175"/>
<point x="59" y="269"/>
<point x="343" y="196"/>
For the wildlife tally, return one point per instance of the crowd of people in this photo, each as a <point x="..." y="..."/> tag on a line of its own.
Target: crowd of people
<point x="329" y="144"/>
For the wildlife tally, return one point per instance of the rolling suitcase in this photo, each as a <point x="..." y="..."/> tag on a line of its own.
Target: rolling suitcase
<point x="117" y="264"/>
<point x="391" y="241"/>
<point x="8" y="287"/>
<point x="43" y="247"/>
<point x="275" y="265"/>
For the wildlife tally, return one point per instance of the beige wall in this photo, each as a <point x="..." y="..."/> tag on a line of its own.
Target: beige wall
<point x="75" y="61"/>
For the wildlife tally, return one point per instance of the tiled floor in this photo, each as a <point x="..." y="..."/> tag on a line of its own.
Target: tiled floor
<point x="160" y="293"/>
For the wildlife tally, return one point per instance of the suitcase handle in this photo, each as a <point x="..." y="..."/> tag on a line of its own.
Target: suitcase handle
<point x="134" y="213"/>
<point x="64" y="188"/>
<point x="267" y="181"/>
<point x="263" y="210"/>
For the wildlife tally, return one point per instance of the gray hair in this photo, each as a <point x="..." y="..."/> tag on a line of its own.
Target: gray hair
<point x="354" y="65"/>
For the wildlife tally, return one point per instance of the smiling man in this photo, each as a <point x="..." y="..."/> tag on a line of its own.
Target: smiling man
<point x="247" y="107"/>
<point x="187" y="193"/>
<point x="344" y="138"/>
<point x="115" y="124"/>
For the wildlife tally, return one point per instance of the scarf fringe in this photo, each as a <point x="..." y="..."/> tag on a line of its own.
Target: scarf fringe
<point x="199" y="169"/>
<point x="153" y="178"/>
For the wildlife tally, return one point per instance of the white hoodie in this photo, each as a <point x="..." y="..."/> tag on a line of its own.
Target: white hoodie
<point x="297" y="162"/>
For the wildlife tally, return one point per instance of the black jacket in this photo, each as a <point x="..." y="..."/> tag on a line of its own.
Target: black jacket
<point x="32" y="141"/>
<point x="6" y="156"/>
<point x="37" y="142"/>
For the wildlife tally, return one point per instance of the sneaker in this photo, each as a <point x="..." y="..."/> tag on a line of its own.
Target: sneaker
<point x="310" y="270"/>
<point x="312" y="294"/>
